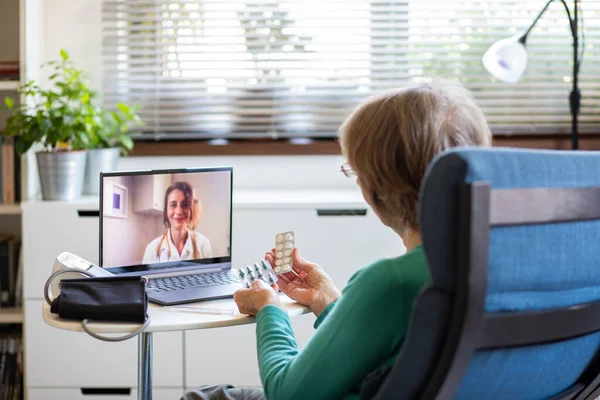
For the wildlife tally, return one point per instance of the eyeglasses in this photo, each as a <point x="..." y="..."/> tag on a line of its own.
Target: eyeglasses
<point x="347" y="170"/>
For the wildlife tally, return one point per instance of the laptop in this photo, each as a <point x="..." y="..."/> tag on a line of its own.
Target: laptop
<point x="172" y="226"/>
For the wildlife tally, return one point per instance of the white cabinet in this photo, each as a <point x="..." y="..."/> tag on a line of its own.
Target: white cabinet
<point x="156" y="185"/>
<point x="50" y="228"/>
<point x="100" y="394"/>
<point x="82" y="394"/>
<point x="57" y="358"/>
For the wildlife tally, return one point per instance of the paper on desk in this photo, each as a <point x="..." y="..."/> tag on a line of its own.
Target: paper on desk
<point x="200" y="310"/>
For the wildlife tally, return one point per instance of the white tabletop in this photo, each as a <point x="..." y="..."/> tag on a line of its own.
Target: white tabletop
<point x="164" y="319"/>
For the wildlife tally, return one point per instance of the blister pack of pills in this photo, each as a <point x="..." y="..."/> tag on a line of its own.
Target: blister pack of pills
<point x="284" y="244"/>
<point x="259" y="270"/>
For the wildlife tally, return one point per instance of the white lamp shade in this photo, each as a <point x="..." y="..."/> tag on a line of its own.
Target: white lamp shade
<point x="506" y="60"/>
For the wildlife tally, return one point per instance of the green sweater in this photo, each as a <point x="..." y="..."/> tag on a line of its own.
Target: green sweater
<point x="362" y="331"/>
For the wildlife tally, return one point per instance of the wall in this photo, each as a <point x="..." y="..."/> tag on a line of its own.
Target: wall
<point x="76" y="26"/>
<point x="124" y="239"/>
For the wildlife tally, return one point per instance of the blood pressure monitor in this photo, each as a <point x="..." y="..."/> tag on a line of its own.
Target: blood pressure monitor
<point x="66" y="260"/>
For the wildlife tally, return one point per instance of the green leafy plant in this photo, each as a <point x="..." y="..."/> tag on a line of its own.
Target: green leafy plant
<point x="65" y="115"/>
<point x="115" y="129"/>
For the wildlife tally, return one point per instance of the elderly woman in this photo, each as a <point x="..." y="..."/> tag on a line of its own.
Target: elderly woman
<point x="388" y="142"/>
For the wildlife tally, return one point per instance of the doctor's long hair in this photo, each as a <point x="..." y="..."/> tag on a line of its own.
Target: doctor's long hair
<point x="195" y="209"/>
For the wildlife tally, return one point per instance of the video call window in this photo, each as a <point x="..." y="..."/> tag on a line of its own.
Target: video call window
<point x="155" y="218"/>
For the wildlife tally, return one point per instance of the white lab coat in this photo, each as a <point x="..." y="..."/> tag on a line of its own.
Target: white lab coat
<point x="202" y="242"/>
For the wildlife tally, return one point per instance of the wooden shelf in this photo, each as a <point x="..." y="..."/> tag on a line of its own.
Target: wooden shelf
<point x="9" y="85"/>
<point x="10" y="209"/>
<point x="11" y="315"/>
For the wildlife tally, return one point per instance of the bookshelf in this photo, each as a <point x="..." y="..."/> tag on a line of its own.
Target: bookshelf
<point x="12" y="53"/>
<point x="9" y="85"/>
<point x="10" y="209"/>
<point x="10" y="315"/>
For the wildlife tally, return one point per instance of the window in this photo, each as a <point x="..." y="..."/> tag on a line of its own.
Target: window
<point x="280" y="69"/>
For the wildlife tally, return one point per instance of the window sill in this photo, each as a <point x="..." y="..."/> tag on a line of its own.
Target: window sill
<point x="587" y="141"/>
<point x="264" y="147"/>
<point x="247" y="147"/>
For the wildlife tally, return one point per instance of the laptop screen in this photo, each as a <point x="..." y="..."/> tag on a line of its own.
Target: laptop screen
<point x="163" y="219"/>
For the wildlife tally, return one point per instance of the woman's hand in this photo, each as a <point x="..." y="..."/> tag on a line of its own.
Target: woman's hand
<point x="309" y="286"/>
<point x="250" y="301"/>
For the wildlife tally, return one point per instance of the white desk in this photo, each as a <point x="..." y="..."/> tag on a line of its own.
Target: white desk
<point x="163" y="320"/>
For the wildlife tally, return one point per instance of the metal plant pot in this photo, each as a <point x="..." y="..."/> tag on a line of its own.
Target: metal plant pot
<point x="61" y="174"/>
<point x="99" y="160"/>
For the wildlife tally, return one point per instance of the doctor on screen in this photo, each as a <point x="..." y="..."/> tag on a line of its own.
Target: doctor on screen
<point x="179" y="241"/>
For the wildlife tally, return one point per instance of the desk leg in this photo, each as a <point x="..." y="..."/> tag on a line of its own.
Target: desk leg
<point x="145" y="366"/>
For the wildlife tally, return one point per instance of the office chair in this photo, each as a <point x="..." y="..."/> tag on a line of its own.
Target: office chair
<point x="512" y="239"/>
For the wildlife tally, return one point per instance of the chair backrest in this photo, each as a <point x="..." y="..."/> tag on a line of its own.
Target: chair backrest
<point x="513" y="310"/>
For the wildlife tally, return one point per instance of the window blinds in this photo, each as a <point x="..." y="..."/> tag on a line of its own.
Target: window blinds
<point x="243" y="68"/>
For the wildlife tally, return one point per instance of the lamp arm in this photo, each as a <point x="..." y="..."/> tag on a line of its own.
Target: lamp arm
<point x="523" y="38"/>
<point x="573" y="28"/>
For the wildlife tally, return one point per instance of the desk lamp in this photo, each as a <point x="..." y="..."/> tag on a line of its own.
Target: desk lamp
<point x="507" y="60"/>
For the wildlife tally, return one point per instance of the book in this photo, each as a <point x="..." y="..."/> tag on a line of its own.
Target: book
<point x="12" y="271"/>
<point x="8" y="171"/>
<point x="3" y="368"/>
<point x="10" y="367"/>
<point x="9" y="67"/>
<point x="17" y="176"/>
<point x="0" y="169"/>
<point x="18" y="380"/>
<point x="10" y="70"/>
<point x="18" y="301"/>
<point x="7" y="260"/>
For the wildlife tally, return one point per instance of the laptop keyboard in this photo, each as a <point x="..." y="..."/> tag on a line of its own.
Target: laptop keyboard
<point x="191" y="281"/>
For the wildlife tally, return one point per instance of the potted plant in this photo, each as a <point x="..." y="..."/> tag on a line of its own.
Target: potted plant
<point x="109" y="139"/>
<point x="55" y="119"/>
<point x="64" y="123"/>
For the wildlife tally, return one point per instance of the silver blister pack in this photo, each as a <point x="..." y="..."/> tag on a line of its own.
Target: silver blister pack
<point x="259" y="270"/>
